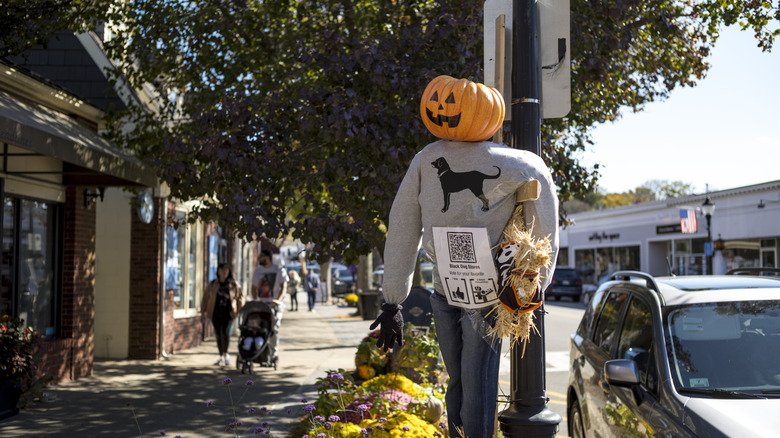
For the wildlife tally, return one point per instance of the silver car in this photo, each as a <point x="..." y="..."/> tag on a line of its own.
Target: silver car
<point x="694" y="356"/>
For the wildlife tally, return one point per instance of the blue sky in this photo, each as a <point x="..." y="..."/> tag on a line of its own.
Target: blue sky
<point x="724" y="132"/>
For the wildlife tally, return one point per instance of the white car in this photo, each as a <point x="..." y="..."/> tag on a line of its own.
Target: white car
<point x="688" y="356"/>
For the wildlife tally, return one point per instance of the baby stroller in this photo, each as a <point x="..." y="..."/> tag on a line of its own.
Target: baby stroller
<point x="257" y="325"/>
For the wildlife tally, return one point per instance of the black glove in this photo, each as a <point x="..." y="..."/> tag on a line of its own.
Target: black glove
<point x="391" y="328"/>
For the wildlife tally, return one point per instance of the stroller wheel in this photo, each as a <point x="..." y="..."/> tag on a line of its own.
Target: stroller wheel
<point x="251" y="368"/>
<point x="276" y="363"/>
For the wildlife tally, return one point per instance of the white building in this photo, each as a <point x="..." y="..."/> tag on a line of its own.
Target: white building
<point x="744" y="228"/>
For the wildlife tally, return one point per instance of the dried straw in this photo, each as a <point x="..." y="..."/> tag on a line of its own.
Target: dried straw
<point x="530" y="257"/>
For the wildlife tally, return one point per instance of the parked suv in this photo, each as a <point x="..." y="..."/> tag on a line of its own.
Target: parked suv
<point x="693" y="356"/>
<point x="566" y="282"/>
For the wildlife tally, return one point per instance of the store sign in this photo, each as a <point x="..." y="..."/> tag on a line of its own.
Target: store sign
<point x="604" y="236"/>
<point x="668" y="229"/>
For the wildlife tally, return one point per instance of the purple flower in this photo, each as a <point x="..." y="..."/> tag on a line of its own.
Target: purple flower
<point x="210" y="403"/>
<point x="363" y="432"/>
<point x="289" y="411"/>
<point x="251" y="411"/>
<point x="380" y="427"/>
<point x="362" y="408"/>
<point x="162" y="432"/>
<point x="249" y="383"/>
<point x="304" y="400"/>
<point x="264" y="409"/>
<point x="258" y="430"/>
<point x="335" y="376"/>
<point x="334" y="418"/>
<point x="327" y="425"/>
<point x="405" y="428"/>
<point x="382" y="419"/>
<point x="320" y="435"/>
<point x="227" y="381"/>
<point x="442" y="425"/>
<point x="308" y="409"/>
<point x="264" y="424"/>
<point x="319" y="418"/>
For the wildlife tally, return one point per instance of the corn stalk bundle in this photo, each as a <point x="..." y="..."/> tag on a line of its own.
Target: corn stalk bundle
<point x="519" y="260"/>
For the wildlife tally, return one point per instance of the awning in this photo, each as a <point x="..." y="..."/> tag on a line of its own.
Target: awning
<point x="91" y="159"/>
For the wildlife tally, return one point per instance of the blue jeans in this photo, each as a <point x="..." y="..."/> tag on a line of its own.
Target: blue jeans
<point x="472" y="363"/>
<point x="312" y="299"/>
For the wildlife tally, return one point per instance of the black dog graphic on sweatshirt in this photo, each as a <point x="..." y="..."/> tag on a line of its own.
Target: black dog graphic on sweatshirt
<point x="452" y="182"/>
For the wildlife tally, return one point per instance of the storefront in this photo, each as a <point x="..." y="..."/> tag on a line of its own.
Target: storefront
<point x="673" y="235"/>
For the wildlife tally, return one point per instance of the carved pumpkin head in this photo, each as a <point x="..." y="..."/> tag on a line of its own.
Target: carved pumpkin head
<point x="458" y="109"/>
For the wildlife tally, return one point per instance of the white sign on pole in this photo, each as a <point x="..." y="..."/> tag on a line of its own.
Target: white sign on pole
<point x="555" y="58"/>
<point x="554" y="53"/>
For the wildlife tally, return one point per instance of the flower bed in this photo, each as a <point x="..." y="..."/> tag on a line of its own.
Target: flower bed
<point x="390" y="400"/>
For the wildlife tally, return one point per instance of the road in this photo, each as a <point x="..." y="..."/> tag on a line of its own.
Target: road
<point x="561" y="321"/>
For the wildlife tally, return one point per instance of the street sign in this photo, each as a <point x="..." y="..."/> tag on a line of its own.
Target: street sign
<point x="554" y="51"/>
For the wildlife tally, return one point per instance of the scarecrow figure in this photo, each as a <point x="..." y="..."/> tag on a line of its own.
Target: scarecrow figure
<point x="458" y="200"/>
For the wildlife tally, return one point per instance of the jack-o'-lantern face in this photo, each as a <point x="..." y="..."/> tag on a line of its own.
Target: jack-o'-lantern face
<point x="458" y="109"/>
<point x="440" y="118"/>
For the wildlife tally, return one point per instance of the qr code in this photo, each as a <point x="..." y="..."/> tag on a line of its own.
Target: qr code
<point x="461" y="247"/>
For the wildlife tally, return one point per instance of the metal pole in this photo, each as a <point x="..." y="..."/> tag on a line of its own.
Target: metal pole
<point x="527" y="414"/>
<point x="709" y="240"/>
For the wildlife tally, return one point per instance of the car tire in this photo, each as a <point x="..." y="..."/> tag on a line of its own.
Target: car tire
<point x="577" y="430"/>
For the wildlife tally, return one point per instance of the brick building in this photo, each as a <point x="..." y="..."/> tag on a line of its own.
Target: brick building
<point x="95" y="256"/>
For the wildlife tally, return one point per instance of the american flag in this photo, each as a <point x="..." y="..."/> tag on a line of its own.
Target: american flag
<point x="688" y="223"/>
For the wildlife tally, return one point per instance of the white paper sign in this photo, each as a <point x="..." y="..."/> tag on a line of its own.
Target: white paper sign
<point x="465" y="265"/>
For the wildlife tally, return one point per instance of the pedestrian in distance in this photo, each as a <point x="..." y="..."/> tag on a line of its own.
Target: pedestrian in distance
<point x="292" y="290"/>
<point x="311" y="284"/>
<point x="276" y="278"/>
<point x="221" y="303"/>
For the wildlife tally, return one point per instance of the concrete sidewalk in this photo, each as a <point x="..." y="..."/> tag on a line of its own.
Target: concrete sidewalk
<point x="171" y="395"/>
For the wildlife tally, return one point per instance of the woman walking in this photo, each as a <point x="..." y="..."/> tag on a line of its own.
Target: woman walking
<point x="222" y="302"/>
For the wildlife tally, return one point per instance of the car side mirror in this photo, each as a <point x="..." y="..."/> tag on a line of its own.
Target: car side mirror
<point x="624" y="373"/>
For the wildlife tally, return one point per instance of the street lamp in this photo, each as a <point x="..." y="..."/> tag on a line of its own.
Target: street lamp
<point x="707" y="208"/>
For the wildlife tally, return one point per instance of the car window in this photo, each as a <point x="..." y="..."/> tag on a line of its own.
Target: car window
<point x="609" y="320"/>
<point x="636" y="342"/>
<point x="727" y="345"/>
<point x="565" y="274"/>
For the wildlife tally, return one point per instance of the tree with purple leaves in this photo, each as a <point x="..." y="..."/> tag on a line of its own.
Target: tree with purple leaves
<point x="300" y="117"/>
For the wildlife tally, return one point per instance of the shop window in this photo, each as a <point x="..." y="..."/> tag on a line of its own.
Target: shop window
<point x="31" y="262"/>
<point x="604" y="262"/>
<point x="183" y="265"/>
<point x="585" y="265"/>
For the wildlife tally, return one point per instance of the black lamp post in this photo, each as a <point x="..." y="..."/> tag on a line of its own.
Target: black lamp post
<point x="708" y="208"/>
<point x="528" y="414"/>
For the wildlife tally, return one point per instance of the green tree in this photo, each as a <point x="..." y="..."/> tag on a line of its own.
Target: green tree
<point x="301" y="117"/>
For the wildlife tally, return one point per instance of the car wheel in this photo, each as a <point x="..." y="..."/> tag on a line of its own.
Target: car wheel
<point x="575" y="421"/>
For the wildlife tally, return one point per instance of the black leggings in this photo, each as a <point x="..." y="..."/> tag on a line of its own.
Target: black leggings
<point x="222" y="331"/>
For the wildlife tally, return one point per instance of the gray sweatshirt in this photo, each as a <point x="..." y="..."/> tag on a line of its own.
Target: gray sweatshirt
<point x="463" y="184"/>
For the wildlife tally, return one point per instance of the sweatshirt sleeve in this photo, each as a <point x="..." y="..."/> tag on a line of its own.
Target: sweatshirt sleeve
<point x="541" y="215"/>
<point x="404" y="234"/>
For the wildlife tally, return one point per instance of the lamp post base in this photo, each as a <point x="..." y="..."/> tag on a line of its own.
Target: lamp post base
<point x="528" y="422"/>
